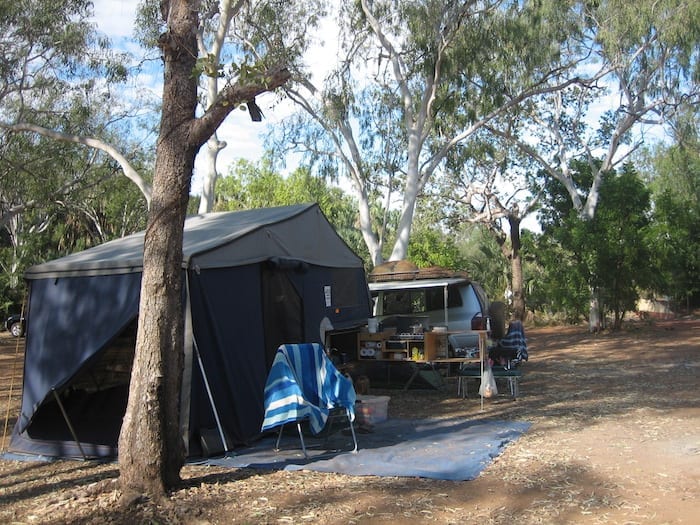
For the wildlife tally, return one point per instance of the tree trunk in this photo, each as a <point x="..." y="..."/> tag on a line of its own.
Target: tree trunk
<point x="211" y="153"/>
<point x="410" y="195"/>
<point x="374" y="244"/>
<point x="594" y="321"/>
<point x="151" y="451"/>
<point x="516" y="266"/>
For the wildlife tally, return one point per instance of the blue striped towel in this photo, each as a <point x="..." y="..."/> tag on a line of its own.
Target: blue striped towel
<point x="515" y="339"/>
<point x="304" y="383"/>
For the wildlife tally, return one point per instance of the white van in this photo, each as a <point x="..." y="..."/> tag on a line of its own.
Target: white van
<point x="406" y="296"/>
<point x="453" y="302"/>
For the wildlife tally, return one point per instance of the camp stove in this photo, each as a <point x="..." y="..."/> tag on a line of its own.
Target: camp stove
<point x="407" y="336"/>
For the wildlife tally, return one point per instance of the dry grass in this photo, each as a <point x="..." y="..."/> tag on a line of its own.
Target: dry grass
<point x="614" y="439"/>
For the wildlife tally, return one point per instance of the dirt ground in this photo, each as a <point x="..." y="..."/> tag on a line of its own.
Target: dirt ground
<point x="615" y="438"/>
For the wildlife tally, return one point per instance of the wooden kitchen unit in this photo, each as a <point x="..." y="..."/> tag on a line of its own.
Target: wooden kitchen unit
<point x="390" y="346"/>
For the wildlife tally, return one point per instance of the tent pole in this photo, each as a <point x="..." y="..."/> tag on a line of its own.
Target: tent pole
<point x="70" y="426"/>
<point x="186" y="387"/>
<point x="211" y="397"/>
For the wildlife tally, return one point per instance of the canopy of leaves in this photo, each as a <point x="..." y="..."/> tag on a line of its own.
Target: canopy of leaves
<point x="250" y="185"/>
<point x="675" y="234"/>
<point x="609" y="253"/>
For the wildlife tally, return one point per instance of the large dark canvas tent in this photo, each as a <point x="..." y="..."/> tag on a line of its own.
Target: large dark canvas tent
<point x="253" y="280"/>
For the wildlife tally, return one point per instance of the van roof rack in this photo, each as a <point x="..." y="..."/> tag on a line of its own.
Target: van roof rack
<point x="407" y="271"/>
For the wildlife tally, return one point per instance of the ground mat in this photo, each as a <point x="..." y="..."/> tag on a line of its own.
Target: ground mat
<point x="448" y="449"/>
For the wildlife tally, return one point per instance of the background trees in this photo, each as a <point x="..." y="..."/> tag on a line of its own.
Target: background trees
<point x="414" y="83"/>
<point x="608" y="253"/>
<point x="56" y="197"/>
<point x="674" y="176"/>
<point x="479" y="84"/>
<point x="251" y="185"/>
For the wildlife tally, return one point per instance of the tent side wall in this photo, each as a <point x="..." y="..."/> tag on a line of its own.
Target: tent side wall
<point x="69" y="321"/>
<point x="228" y="333"/>
<point x="238" y="325"/>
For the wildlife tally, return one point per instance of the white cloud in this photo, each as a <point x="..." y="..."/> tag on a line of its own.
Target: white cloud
<point x="115" y="18"/>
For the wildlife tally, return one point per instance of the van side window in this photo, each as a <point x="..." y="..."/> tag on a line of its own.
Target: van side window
<point x="418" y="301"/>
<point x="434" y="298"/>
<point x="454" y="297"/>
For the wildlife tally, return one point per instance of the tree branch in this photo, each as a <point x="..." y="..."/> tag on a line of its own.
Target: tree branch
<point x="231" y="97"/>
<point x="110" y="150"/>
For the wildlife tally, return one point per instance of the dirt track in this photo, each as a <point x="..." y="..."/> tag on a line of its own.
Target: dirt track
<point x="615" y="438"/>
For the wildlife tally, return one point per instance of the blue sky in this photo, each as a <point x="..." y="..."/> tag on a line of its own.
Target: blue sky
<point x="244" y="138"/>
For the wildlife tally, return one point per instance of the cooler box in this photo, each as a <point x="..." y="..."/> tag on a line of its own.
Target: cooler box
<point x="370" y="410"/>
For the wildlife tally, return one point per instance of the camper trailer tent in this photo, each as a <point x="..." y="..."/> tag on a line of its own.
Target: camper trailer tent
<point x="253" y="280"/>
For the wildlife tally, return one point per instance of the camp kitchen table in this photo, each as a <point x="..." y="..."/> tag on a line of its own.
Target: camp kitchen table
<point x="416" y="364"/>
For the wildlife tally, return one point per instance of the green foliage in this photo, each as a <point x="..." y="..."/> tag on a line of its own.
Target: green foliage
<point x="674" y="24"/>
<point x="149" y="23"/>
<point x="57" y="198"/>
<point x="208" y="66"/>
<point x="251" y="185"/>
<point x="431" y="247"/>
<point x="621" y="266"/>
<point x="609" y="253"/>
<point x="483" y="259"/>
<point x="675" y="234"/>
<point x="55" y="72"/>
<point x="64" y="202"/>
<point x="553" y="282"/>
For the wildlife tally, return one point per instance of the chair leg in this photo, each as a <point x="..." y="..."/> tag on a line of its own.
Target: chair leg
<point x="352" y="431"/>
<point x="279" y="438"/>
<point x="303" y="443"/>
<point x="514" y="387"/>
<point x="301" y="437"/>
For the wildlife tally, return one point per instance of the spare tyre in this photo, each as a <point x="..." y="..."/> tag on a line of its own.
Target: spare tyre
<point x="17" y="329"/>
<point x="497" y="314"/>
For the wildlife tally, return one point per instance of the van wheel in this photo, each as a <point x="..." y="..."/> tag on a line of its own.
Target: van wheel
<point x="497" y="313"/>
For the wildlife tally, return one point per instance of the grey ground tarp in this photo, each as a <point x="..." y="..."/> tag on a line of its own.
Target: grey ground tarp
<point x="449" y="449"/>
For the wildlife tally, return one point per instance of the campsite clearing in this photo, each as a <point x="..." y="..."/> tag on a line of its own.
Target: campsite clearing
<point x="615" y="438"/>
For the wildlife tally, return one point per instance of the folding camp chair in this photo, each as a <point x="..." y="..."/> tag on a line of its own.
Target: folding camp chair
<point x="513" y="345"/>
<point x="303" y="384"/>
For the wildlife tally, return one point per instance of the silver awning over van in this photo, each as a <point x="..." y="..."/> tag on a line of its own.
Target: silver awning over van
<point x="419" y="283"/>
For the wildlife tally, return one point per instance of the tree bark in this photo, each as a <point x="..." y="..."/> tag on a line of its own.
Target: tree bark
<point x="151" y="452"/>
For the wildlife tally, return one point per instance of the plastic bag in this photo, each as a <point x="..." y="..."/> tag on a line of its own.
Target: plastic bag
<point x="488" y="384"/>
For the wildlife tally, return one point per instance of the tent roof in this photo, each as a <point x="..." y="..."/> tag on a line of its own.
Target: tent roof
<point x="299" y="232"/>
